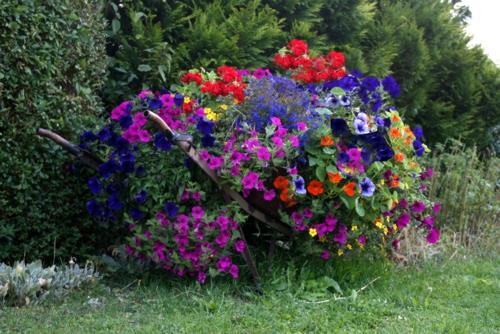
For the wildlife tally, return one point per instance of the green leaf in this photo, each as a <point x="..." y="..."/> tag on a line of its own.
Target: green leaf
<point x="359" y="208"/>
<point x="337" y="91"/>
<point x="115" y="25"/>
<point x="144" y="68"/>
<point x="331" y="169"/>
<point x="321" y="173"/>
<point x="324" y="111"/>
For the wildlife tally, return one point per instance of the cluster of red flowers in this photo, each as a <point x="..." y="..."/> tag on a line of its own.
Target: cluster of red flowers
<point x="231" y="82"/>
<point x="310" y="69"/>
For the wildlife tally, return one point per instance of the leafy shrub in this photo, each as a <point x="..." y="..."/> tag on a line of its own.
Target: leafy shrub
<point x="32" y="283"/>
<point x="52" y="63"/>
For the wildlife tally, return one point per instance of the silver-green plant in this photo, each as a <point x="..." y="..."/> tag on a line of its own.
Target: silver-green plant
<point x="24" y="284"/>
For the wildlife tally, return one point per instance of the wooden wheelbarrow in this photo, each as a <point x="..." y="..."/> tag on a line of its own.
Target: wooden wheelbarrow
<point x="184" y="143"/>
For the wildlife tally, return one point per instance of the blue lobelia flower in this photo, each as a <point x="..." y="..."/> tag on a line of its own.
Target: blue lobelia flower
<point x="94" y="185"/>
<point x="367" y="187"/>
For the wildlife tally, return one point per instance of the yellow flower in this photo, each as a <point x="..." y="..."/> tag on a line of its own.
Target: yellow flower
<point x="382" y="182"/>
<point x="378" y="223"/>
<point x="387" y="219"/>
<point x="223" y="106"/>
<point x="340" y="252"/>
<point x="354" y="227"/>
<point x="208" y="110"/>
<point x="386" y="230"/>
<point x="313" y="232"/>
<point x="394" y="227"/>
<point x="187" y="99"/>
<point x="349" y="246"/>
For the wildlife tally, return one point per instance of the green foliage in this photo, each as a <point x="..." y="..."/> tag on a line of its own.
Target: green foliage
<point x="25" y="284"/>
<point x="140" y="55"/>
<point x="51" y="66"/>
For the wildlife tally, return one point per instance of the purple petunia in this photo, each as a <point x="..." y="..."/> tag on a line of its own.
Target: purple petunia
<point x="341" y="235"/>
<point x="433" y="236"/>
<point x="418" y="207"/>
<point x="250" y="180"/>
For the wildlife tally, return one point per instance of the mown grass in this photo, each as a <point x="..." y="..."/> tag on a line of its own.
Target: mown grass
<point x="440" y="296"/>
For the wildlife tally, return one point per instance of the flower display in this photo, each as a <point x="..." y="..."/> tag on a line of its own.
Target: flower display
<point x="319" y="146"/>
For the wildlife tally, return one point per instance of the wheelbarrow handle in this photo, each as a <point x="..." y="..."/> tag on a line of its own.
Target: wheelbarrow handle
<point x="84" y="156"/>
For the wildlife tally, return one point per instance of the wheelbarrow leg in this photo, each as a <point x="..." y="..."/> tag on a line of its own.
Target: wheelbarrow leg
<point x="247" y="254"/>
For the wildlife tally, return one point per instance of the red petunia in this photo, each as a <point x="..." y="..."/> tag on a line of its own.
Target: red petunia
<point x="315" y="188"/>
<point x="298" y="47"/>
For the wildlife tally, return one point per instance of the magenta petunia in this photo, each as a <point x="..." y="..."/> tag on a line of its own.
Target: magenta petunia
<point x="341" y="235"/>
<point x="234" y="271"/>
<point x="418" y="207"/>
<point x="269" y="195"/>
<point x="224" y="264"/>
<point x="325" y="255"/>
<point x="197" y="212"/>
<point x="433" y="236"/>
<point x="403" y="220"/>
<point x="263" y="153"/>
<point x="250" y="180"/>
<point x="239" y="246"/>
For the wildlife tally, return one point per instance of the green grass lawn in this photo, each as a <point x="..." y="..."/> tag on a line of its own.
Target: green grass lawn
<point x="457" y="296"/>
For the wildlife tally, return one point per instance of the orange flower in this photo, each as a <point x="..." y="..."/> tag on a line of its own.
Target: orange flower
<point x="315" y="188"/>
<point x="335" y="177"/>
<point x="395" y="118"/>
<point x="326" y="141"/>
<point x="399" y="157"/>
<point x="394" y="183"/>
<point x="350" y="189"/>
<point x="281" y="182"/>
<point x="408" y="141"/>
<point x="394" y="133"/>
<point x="284" y="195"/>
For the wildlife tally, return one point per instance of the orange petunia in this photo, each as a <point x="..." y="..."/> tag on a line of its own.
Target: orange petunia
<point x="284" y="195"/>
<point x="281" y="182"/>
<point x="399" y="157"/>
<point x="315" y="188"/>
<point x="394" y="133"/>
<point x="335" y="177"/>
<point x="326" y="141"/>
<point x="394" y="182"/>
<point x="350" y="189"/>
